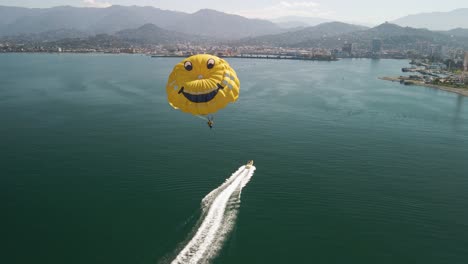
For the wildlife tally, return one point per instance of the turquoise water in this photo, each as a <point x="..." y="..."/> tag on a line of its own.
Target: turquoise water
<point x="96" y="167"/>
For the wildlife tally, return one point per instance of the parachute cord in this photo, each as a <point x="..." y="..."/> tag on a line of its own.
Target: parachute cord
<point x="208" y="118"/>
<point x="202" y="117"/>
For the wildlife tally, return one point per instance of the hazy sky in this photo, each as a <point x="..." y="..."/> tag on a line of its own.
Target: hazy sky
<point x="362" y="11"/>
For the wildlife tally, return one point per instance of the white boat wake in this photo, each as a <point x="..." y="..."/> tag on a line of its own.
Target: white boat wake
<point x="220" y="208"/>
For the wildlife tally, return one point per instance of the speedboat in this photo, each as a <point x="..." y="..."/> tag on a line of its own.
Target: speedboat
<point x="249" y="164"/>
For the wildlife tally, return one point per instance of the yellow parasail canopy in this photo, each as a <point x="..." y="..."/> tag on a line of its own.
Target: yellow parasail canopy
<point x="202" y="84"/>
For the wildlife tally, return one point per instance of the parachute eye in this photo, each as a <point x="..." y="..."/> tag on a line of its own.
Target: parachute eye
<point x="210" y="64"/>
<point x="188" y="66"/>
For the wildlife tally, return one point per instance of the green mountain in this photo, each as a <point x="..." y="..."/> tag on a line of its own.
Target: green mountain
<point x="151" y="34"/>
<point x="47" y="36"/>
<point x="144" y="36"/>
<point x="458" y="32"/>
<point x="305" y="35"/>
<point x="219" y="25"/>
<point x="335" y="34"/>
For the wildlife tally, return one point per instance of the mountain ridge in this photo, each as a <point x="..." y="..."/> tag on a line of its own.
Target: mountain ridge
<point x="305" y="34"/>
<point x="216" y="24"/>
<point x="457" y="18"/>
<point x="392" y="36"/>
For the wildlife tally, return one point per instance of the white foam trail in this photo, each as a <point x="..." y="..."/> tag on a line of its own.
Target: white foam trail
<point x="220" y="209"/>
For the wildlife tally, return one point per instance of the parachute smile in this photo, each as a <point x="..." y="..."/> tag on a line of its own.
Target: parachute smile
<point x="201" y="98"/>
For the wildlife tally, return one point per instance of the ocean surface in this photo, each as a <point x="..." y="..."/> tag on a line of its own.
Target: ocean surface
<point x="96" y="167"/>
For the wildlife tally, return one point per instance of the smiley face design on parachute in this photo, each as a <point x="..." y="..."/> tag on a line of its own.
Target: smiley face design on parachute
<point x="202" y="84"/>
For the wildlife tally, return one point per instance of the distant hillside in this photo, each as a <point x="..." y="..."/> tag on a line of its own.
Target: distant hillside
<point x="297" y="21"/>
<point x="301" y="36"/>
<point x="218" y="25"/>
<point x="386" y="30"/>
<point x="151" y="34"/>
<point x="459" y="32"/>
<point x="90" y="20"/>
<point x="335" y="34"/>
<point x="457" y="18"/>
<point x="292" y="25"/>
<point x="94" y="42"/>
<point x="392" y="36"/>
<point x="48" y="36"/>
<point x="129" y="26"/>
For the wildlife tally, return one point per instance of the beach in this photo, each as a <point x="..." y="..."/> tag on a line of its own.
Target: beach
<point x="460" y="91"/>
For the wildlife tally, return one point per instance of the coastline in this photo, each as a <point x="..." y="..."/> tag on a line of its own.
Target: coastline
<point x="269" y="56"/>
<point x="460" y="91"/>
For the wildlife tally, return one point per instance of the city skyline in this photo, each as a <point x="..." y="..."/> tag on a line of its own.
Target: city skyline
<point x="364" y="12"/>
